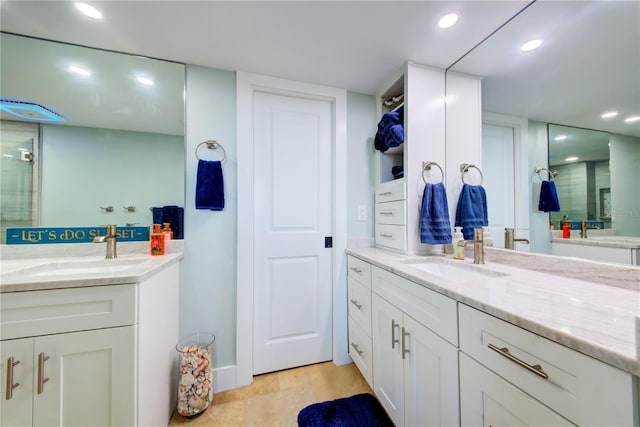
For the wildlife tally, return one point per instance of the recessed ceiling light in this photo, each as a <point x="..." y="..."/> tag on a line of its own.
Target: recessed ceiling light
<point x="531" y="45"/>
<point x="448" y="20"/>
<point x="609" y="114"/>
<point x="632" y="119"/>
<point x="7" y="155"/>
<point x="570" y="159"/>
<point x="79" y="70"/>
<point x="560" y="138"/>
<point x="88" y="10"/>
<point x="145" y="81"/>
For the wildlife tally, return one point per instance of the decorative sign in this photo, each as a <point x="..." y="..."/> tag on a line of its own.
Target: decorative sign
<point x="591" y="225"/>
<point x="30" y="235"/>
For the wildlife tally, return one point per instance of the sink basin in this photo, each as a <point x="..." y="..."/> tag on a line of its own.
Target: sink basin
<point x="81" y="266"/>
<point x="453" y="270"/>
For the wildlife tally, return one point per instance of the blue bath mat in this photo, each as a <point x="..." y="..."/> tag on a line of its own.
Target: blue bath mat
<point x="361" y="410"/>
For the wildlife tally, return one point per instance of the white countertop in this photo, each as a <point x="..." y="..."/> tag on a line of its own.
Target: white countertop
<point x="623" y="242"/>
<point x="596" y="319"/>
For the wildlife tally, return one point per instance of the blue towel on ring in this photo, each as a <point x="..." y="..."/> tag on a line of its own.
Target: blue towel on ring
<point x="548" y="197"/>
<point x="172" y="214"/>
<point x="209" y="185"/>
<point x="471" y="211"/>
<point x="435" y="227"/>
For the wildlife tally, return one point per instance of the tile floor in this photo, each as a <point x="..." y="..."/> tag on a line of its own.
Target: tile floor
<point x="275" y="399"/>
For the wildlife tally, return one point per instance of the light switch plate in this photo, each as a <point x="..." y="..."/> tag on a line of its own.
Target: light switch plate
<point x="362" y="212"/>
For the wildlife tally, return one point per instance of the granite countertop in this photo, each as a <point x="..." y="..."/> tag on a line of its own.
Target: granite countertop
<point x="80" y="265"/>
<point x="623" y="242"/>
<point x="600" y="319"/>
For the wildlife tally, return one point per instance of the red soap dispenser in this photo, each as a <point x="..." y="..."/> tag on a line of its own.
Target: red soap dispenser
<point x="157" y="241"/>
<point x="566" y="230"/>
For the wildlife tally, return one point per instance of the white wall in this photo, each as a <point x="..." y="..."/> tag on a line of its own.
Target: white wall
<point x="538" y="157"/>
<point x="624" y="157"/>
<point x="109" y="168"/>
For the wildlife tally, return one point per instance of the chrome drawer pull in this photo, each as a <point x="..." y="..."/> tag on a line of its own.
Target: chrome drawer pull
<point x="355" y="302"/>
<point x="386" y="193"/>
<point x="394" y="341"/>
<point x="10" y="385"/>
<point x="386" y="213"/>
<point x="404" y="349"/>
<point x="355" y="347"/>
<point x="536" y="369"/>
<point x="386" y="235"/>
<point x="357" y="270"/>
<point x="41" y="379"/>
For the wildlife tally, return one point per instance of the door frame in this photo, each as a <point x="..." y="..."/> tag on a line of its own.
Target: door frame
<point x="246" y="85"/>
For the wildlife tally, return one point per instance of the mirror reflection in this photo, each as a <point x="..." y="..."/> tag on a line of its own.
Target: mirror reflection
<point x="88" y="137"/>
<point x="582" y="81"/>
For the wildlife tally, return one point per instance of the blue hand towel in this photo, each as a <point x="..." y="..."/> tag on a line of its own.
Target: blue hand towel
<point x="174" y="215"/>
<point x="385" y="125"/>
<point x="435" y="227"/>
<point x="395" y="136"/>
<point x="548" y="197"/>
<point x="471" y="211"/>
<point x="209" y="186"/>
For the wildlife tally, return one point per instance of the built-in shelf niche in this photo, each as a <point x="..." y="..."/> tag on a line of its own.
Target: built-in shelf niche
<point x="393" y="156"/>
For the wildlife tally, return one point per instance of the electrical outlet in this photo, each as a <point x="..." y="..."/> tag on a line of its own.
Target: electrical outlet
<point x="362" y="212"/>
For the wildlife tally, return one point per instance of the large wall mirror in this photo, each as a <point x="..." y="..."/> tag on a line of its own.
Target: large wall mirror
<point x="88" y="137"/>
<point x="585" y="70"/>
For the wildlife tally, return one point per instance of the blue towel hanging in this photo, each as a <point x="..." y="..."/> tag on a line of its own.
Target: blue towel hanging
<point x="435" y="227"/>
<point x="471" y="211"/>
<point x="209" y="185"/>
<point x="172" y="214"/>
<point x="548" y="197"/>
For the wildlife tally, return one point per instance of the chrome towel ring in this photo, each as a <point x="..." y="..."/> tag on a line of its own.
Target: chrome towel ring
<point x="426" y="166"/>
<point x="212" y="145"/>
<point x="549" y="172"/>
<point x="464" y="168"/>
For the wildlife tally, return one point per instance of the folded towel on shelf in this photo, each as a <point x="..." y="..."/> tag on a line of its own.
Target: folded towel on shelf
<point x="397" y="171"/>
<point x="471" y="211"/>
<point x="390" y="130"/>
<point x="435" y="227"/>
<point x="172" y="214"/>
<point x="209" y="185"/>
<point x="548" y="197"/>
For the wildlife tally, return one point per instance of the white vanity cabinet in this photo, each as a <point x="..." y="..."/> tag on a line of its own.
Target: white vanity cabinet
<point x="359" y="309"/>
<point x="415" y="369"/>
<point x="519" y="378"/>
<point x="100" y="355"/>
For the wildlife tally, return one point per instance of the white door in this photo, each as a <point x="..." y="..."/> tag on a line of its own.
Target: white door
<point x="292" y="217"/>
<point x="498" y="170"/>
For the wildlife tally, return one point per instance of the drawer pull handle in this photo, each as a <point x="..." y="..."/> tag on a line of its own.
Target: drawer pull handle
<point x="355" y="302"/>
<point x="536" y="369"/>
<point x="41" y="379"/>
<point x="386" y="193"/>
<point x="405" y="350"/>
<point x="10" y="385"/>
<point x="387" y="235"/>
<point x="394" y="341"/>
<point x="357" y="270"/>
<point x="386" y="213"/>
<point x="355" y="347"/>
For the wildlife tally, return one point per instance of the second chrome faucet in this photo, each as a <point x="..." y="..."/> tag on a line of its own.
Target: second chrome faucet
<point x="509" y="238"/>
<point x="110" y="239"/>
<point x="478" y="245"/>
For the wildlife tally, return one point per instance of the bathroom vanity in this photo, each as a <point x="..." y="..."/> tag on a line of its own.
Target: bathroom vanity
<point x="511" y="342"/>
<point x="606" y="248"/>
<point x="88" y="340"/>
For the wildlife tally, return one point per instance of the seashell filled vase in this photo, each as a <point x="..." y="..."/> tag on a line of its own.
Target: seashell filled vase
<point x="195" y="388"/>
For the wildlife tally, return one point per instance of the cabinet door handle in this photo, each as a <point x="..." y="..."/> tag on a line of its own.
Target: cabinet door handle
<point x="394" y="341"/>
<point x="355" y="302"/>
<point x="386" y="213"/>
<point x="387" y="235"/>
<point x="405" y="350"/>
<point x="355" y="347"/>
<point x="536" y="369"/>
<point x="357" y="270"/>
<point x="41" y="379"/>
<point x="386" y="193"/>
<point x="10" y="385"/>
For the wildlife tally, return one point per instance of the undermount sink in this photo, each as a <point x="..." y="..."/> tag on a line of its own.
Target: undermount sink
<point x="453" y="270"/>
<point x="80" y="266"/>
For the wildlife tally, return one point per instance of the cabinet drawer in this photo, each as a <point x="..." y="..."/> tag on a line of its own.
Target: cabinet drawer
<point x="33" y="313"/>
<point x="433" y="310"/>
<point x="392" y="236"/>
<point x="360" y="304"/>
<point x="360" y="350"/>
<point x="359" y="270"/>
<point x="390" y="191"/>
<point x="582" y="389"/>
<point x="391" y="213"/>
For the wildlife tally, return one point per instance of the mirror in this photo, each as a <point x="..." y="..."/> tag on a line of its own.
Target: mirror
<point x="587" y="65"/>
<point x="89" y="136"/>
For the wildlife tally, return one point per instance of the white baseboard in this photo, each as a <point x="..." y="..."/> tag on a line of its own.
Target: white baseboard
<point x="224" y="378"/>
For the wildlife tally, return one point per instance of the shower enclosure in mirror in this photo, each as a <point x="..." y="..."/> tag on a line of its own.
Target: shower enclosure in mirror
<point x="88" y="136"/>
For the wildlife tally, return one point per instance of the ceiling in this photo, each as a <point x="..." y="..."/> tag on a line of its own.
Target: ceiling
<point x="356" y="45"/>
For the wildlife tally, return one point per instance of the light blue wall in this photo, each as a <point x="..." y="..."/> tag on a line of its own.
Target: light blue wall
<point x="624" y="157"/>
<point x="538" y="157"/>
<point x="109" y="168"/>
<point x="208" y="270"/>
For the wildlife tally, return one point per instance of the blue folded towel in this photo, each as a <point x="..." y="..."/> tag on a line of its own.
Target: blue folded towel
<point x="471" y="211"/>
<point x="435" y="227"/>
<point x="395" y="136"/>
<point x="174" y="215"/>
<point x="387" y="122"/>
<point x="548" y="197"/>
<point x="209" y="186"/>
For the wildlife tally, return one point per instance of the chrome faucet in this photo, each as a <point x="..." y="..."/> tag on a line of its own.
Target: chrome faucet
<point x="478" y="245"/>
<point x="110" y="239"/>
<point x="509" y="238"/>
<point x="583" y="229"/>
